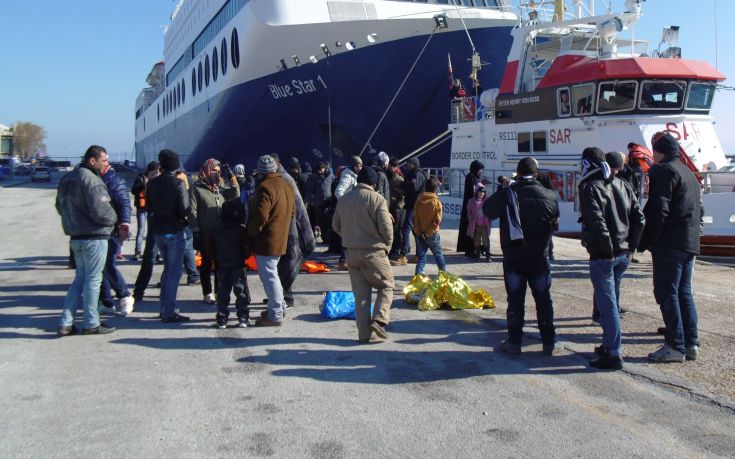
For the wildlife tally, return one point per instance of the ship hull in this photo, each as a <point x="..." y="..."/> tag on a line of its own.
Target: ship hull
<point x="289" y="112"/>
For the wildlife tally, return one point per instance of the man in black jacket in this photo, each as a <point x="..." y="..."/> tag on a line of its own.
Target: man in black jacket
<point x="527" y="213"/>
<point x="673" y="212"/>
<point x="168" y="205"/>
<point x="612" y="223"/>
<point x="141" y="214"/>
<point x="413" y="186"/>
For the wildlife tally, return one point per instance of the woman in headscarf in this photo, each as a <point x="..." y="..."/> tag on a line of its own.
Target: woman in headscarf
<point x="207" y="196"/>
<point x="471" y="181"/>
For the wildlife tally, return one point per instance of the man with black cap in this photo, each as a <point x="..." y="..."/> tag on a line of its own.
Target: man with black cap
<point x="413" y="186"/>
<point x="612" y="223"/>
<point x="673" y="212"/>
<point x="527" y="213"/>
<point x="168" y="205"/>
<point x="347" y="181"/>
<point x="363" y="220"/>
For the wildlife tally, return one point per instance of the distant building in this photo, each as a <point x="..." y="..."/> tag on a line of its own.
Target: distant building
<point x="6" y="140"/>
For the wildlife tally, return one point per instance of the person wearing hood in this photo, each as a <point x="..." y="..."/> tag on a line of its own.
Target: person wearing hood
<point x="294" y="171"/>
<point x="363" y="220"/>
<point x="304" y="177"/>
<point x="478" y="226"/>
<point x="673" y="218"/>
<point x="381" y="166"/>
<point x="112" y="278"/>
<point x="301" y="242"/>
<point x="88" y="218"/>
<point x="317" y="196"/>
<point x="612" y="224"/>
<point x="207" y="196"/>
<point x="427" y="216"/>
<point x="413" y="186"/>
<point x="465" y="242"/>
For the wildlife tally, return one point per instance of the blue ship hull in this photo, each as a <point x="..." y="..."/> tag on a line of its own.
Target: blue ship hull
<point x="288" y="112"/>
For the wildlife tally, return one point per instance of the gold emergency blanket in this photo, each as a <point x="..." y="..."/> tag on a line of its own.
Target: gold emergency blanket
<point x="445" y="289"/>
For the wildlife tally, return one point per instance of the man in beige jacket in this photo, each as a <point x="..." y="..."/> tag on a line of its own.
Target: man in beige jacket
<point x="363" y="221"/>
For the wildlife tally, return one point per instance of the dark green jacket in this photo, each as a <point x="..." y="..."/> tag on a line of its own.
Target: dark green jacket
<point x="206" y="207"/>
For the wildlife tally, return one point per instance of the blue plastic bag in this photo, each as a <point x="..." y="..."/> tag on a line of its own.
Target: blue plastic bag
<point x="338" y="305"/>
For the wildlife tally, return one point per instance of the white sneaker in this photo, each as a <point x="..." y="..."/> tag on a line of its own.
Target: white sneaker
<point x="209" y="298"/>
<point x="126" y="305"/>
<point x="666" y="353"/>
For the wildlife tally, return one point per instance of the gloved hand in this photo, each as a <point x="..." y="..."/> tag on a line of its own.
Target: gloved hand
<point x="226" y="172"/>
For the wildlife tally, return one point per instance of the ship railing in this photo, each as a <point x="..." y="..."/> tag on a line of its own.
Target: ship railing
<point x="466" y="110"/>
<point x="718" y="181"/>
<point x="442" y="175"/>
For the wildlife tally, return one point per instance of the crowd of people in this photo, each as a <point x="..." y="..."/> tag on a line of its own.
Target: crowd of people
<point x="368" y="215"/>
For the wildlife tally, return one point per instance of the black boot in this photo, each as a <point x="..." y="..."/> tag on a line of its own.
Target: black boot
<point x="477" y="254"/>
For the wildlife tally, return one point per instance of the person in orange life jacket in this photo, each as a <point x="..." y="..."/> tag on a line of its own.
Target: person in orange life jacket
<point x="427" y="216"/>
<point x="640" y="160"/>
<point x="457" y="90"/>
<point x="141" y="215"/>
<point x="478" y="226"/>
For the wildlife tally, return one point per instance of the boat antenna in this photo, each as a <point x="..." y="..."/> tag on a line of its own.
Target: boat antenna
<point x="395" y="95"/>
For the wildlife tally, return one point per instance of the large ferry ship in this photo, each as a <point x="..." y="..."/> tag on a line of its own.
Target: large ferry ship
<point x="571" y="82"/>
<point x="315" y="79"/>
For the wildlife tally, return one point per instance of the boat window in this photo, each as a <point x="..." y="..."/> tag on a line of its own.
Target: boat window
<point x="176" y="96"/>
<point x="215" y="64"/>
<point x="158" y="111"/>
<point x="199" y="77"/>
<point x="662" y="95"/>
<point x="562" y="100"/>
<point x="616" y="96"/>
<point x="183" y="90"/>
<point x="223" y="55"/>
<point x="193" y="82"/>
<point x="700" y="96"/>
<point x="582" y="97"/>
<point x="235" y="49"/>
<point x="539" y="142"/>
<point x="206" y="70"/>
<point x="524" y="142"/>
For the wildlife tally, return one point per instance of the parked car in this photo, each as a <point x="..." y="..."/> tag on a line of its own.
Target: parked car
<point x="41" y="174"/>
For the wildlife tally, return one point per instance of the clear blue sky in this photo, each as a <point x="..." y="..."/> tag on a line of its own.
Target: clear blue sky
<point x="75" y="67"/>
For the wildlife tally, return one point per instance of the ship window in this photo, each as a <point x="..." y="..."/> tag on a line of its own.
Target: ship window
<point x="562" y="98"/>
<point x="215" y="64"/>
<point x="206" y="70"/>
<point x="582" y="97"/>
<point x="223" y="55"/>
<point x="193" y="82"/>
<point x="700" y="96"/>
<point x="662" y="95"/>
<point x="158" y="112"/>
<point x="199" y="77"/>
<point x="539" y="142"/>
<point x="235" y="49"/>
<point x="183" y="90"/>
<point x="616" y="96"/>
<point x="524" y="142"/>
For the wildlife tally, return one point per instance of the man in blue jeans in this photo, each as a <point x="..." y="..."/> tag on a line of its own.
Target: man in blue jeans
<point x="87" y="216"/>
<point x="168" y="207"/>
<point x="427" y="216"/>
<point x="412" y="187"/>
<point x="673" y="225"/>
<point x="612" y="224"/>
<point x="527" y="213"/>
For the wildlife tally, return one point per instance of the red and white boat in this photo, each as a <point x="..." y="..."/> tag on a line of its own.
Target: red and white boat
<point x="570" y="82"/>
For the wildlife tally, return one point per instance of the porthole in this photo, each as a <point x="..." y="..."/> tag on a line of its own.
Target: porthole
<point x="193" y="82"/>
<point x="158" y="111"/>
<point x="223" y="55"/>
<point x="206" y="70"/>
<point x="215" y="64"/>
<point x="235" y="49"/>
<point x="178" y="94"/>
<point x="199" y="77"/>
<point x="183" y="91"/>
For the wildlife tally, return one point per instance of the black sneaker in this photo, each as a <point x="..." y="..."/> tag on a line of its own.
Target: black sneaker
<point x="102" y="329"/>
<point x="623" y="312"/>
<point x="600" y="350"/>
<point x="221" y="321"/>
<point x="66" y="330"/>
<point x="176" y="318"/>
<point x="607" y="362"/>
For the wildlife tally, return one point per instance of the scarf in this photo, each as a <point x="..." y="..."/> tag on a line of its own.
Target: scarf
<point x="591" y="166"/>
<point x="205" y="173"/>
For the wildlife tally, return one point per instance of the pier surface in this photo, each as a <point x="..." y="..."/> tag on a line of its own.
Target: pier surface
<point x="437" y="388"/>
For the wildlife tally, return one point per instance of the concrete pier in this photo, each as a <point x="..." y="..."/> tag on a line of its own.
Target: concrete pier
<point x="437" y="388"/>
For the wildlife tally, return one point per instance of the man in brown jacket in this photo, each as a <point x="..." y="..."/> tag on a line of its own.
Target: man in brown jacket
<point x="363" y="221"/>
<point x="271" y="211"/>
<point x="427" y="215"/>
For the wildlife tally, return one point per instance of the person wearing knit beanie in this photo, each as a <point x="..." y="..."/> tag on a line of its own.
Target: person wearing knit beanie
<point x="665" y="145"/>
<point x="169" y="160"/>
<point x="367" y="176"/>
<point x="266" y="164"/>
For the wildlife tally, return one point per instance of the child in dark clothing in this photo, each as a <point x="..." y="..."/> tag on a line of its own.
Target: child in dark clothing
<point x="228" y="244"/>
